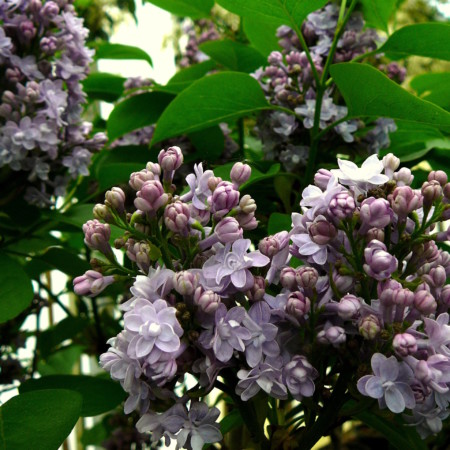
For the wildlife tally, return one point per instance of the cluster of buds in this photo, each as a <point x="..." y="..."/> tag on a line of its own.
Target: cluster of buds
<point x="44" y="59"/>
<point x="288" y="81"/>
<point x="206" y="303"/>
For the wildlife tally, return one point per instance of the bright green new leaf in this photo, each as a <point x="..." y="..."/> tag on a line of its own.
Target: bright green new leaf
<point x="103" y="86"/>
<point x="429" y="39"/>
<point x="99" y="395"/>
<point x="378" y="12"/>
<point x="195" y="9"/>
<point x="39" y="420"/>
<point x="280" y="12"/>
<point x="136" y="112"/>
<point x="234" y="55"/>
<point x="369" y="93"/>
<point x="107" y="50"/>
<point x="434" y="87"/>
<point x="16" y="291"/>
<point x="209" y="101"/>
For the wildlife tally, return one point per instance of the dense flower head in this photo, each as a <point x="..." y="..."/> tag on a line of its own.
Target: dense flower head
<point x="360" y="281"/>
<point x="44" y="59"/>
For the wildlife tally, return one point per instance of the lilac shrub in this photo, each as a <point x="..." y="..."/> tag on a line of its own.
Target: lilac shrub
<point x="44" y="59"/>
<point x="288" y="82"/>
<point x="351" y="301"/>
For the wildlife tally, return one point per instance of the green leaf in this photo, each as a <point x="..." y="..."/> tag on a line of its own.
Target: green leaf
<point x="209" y="101"/>
<point x="234" y="55"/>
<point x="65" y="261"/>
<point x="434" y="87"/>
<point x="16" y="290"/>
<point x="262" y="35"/>
<point x="117" y="173"/>
<point x="95" y="435"/>
<point x="230" y="421"/>
<point x="421" y="39"/>
<point x="378" y="12"/>
<point x="195" y="9"/>
<point x="280" y="12"/>
<point x="61" y="362"/>
<point x="209" y="144"/>
<point x="107" y="50"/>
<point x="103" y="86"/>
<point x="279" y="222"/>
<point x="39" y="420"/>
<point x="77" y="215"/>
<point x="136" y="112"/>
<point x="398" y="434"/>
<point x="99" y="395"/>
<point x="367" y="92"/>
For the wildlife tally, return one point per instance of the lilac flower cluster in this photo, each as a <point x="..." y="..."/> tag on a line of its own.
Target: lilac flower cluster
<point x="210" y="304"/>
<point x="44" y="58"/>
<point x="288" y="81"/>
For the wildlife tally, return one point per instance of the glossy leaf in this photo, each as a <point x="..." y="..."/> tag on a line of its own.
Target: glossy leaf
<point x="377" y="12"/>
<point x="209" y="101"/>
<point x="233" y="55"/>
<point x="195" y="9"/>
<point x="434" y="87"/>
<point x="262" y="35"/>
<point x="107" y="50"/>
<point x="39" y="420"/>
<point x="367" y="92"/>
<point x="99" y="395"/>
<point x="61" y="259"/>
<point x="61" y="362"/>
<point x="209" y="144"/>
<point x="280" y="12"/>
<point x="103" y="86"/>
<point x="16" y="291"/>
<point x="136" y="112"/>
<point x="422" y="39"/>
<point x="279" y="222"/>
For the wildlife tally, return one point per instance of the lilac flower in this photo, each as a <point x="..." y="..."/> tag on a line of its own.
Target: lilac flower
<point x="379" y="263"/>
<point x="298" y="376"/>
<point x="389" y="384"/>
<point x="233" y="266"/>
<point x="308" y="111"/>
<point x="199" y="189"/>
<point x="91" y="283"/>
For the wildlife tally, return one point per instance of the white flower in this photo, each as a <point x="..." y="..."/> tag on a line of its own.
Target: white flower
<point x="369" y="174"/>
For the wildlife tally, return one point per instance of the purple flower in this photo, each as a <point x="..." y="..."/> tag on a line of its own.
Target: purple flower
<point x="379" y="263"/>
<point x="229" y="333"/>
<point x="240" y="173"/>
<point x="96" y="236"/>
<point x="341" y="206"/>
<point x="91" y="283"/>
<point x="375" y="213"/>
<point x="389" y="384"/>
<point x="176" y="217"/>
<point x="150" y="197"/>
<point x="224" y="198"/>
<point x="298" y="376"/>
<point x="199" y="189"/>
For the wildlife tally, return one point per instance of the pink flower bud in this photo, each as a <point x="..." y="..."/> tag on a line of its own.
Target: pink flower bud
<point x="431" y="191"/>
<point x="170" y="159"/>
<point x="446" y="191"/>
<point x="102" y="212"/>
<point x="27" y="29"/>
<point x="404" y="344"/>
<point x="115" y="198"/>
<point x="403" y="297"/>
<point x="185" y="282"/>
<point x="322" y="231"/>
<point x="306" y="277"/>
<point x="444" y="298"/>
<point x="240" y="173"/>
<point x="247" y="221"/>
<point x="403" y="177"/>
<point x="96" y="236"/>
<point x="91" y="283"/>
<point x="154" y="168"/>
<point x="258" y="290"/>
<point x="405" y="200"/>
<point x="436" y="277"/>
<point x="379" y="263"/>
<point x="228" y="230"/>
<point x="349" y="307"/>
<point x="375" y="212"/>
<point x="332" y="335"/>
<point x="224" y="198"/>
<point x="137" y="179"/>
<point x="391" y="164"/>
<point x="439" y="175"/>
<point x="139" y="252"/>
<point x="50" y="10"/>
<point x="298" y="305"/>
<point x="321" y="178"/>
<point x="288" y="278"/>
<point x="213" y="182"/>
<point x="269" y="246"/>
<point x="176" y="217"/>
<point x="207" y="301"/>
<point x="369" y="327"/>
<point x="424" y="302"/>
<point x="375" y="234"/>
<point x="247" y="204"/>
<point x="341" y="206"/>
<point x="151" y="197"/>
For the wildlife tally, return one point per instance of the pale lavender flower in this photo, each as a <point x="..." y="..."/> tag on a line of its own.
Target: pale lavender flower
<point x="91" y="283"/>
<point x="298" y="376"/>
<point x="389" y="384"/>
<point x="199" y="189"/>
<point x="380" y="264"/>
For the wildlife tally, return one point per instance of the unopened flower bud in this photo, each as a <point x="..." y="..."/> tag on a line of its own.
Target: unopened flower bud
<point x="444" y="297"/>
<point x="228" y="230"/>
<point x="115" y="198"/>
<point x="306" y="277"/>
<point x="27" y="29"/>
<point x="207" y="301"/>
<point x="322" y="231"/>
<point x="288" y="278"/>
<point x="275" y="58"/>
<point x="269" y="246"/>
<point x="403" y="177"/>
<point x="321" y="178"/>
<point x="369" y="327"/>
<point x="91" y="283"/>
<point x="446" y="191"/>
<point x="151" y="197"/>
<point x="154" y="168"/>
<point x="375" y="212"/>
<point x="391" y="164"/>
<point x="170" y="159"/>
<point x="258" y="290"/>
<point x="342" y="206"/>
<point x="349" y="307"/>
<point x="379" y="263"/>
<point x="240" y="173"/>
<point x="185" y="282"/>
<point x="431" y="191"/>
<point x="405" y="200"/>
<point x="439" y="175"/>
<point x="176" y="217"/>
<point x="332" y="335"/>
<point x="298" y="305"/>
<point x="343" y="283"/>
<point x="50" y="10"/>
<point x="375" y="234"/>
<point x="436" y="277"/>
<point x="424" y="302"/>
<point x="247" y="221"/>
<point x="137" y="179"/>
<point x="247" y="204"/>
<point x="403" y="297"/>
<point x="139" y="252"/>
<point x="213" y="182"/>
<point x="224" y="198"/>
<point x="96" y="236"/>
<point x="102" y="212"/>
<point x="404" y="344"/>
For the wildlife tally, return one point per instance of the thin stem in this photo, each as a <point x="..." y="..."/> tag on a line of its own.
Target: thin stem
<point x="54" y="298"/>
